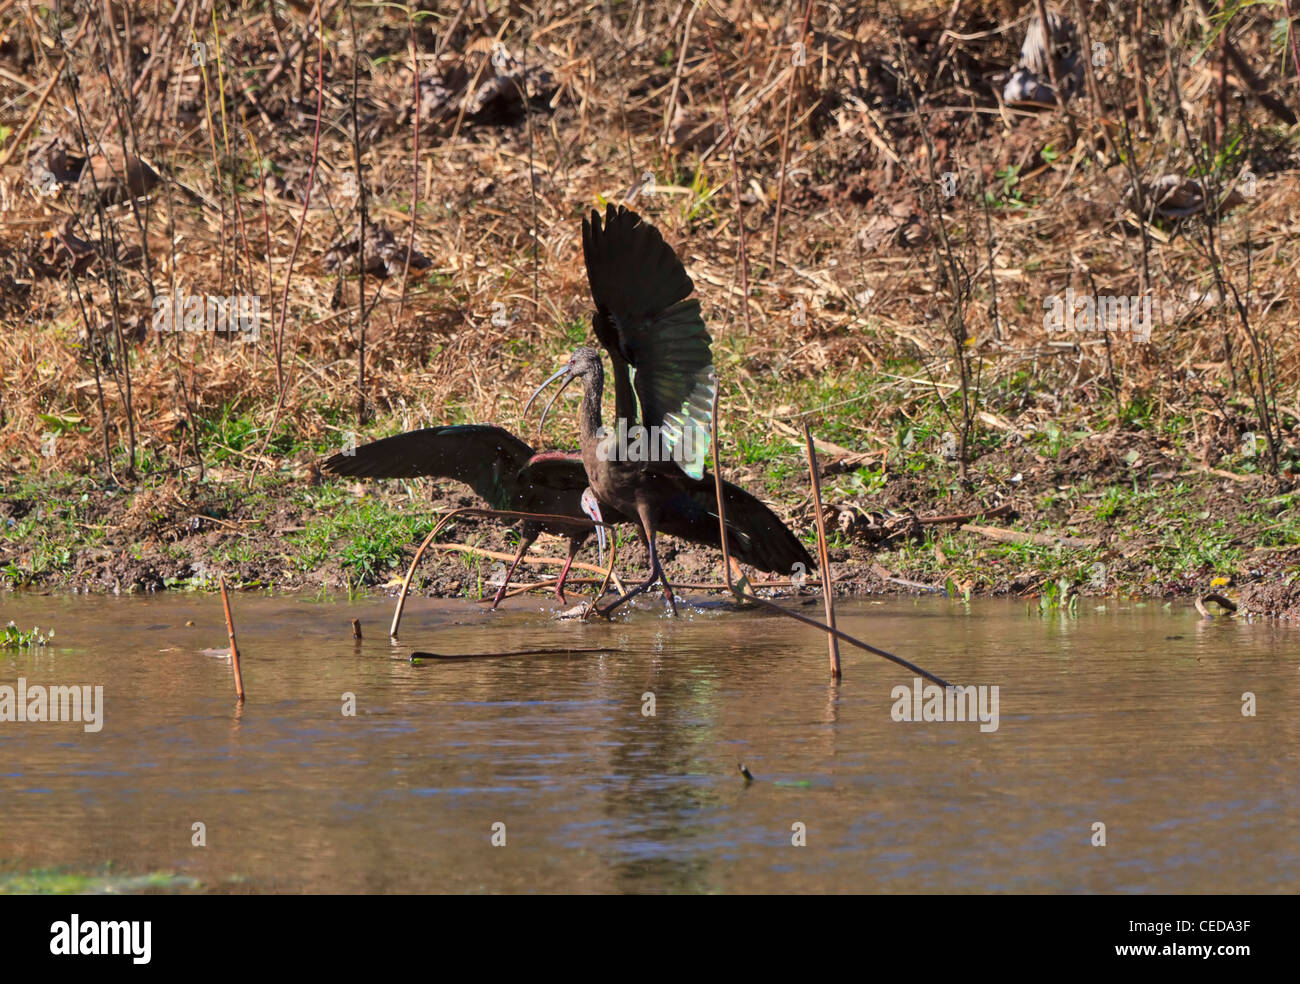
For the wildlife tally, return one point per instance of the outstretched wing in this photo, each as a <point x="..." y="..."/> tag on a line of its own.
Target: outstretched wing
<point x="653" y="331"/>
<point x="484" y="457"/>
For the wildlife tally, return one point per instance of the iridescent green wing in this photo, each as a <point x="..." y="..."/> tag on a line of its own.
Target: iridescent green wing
<point x="653" y="331"/>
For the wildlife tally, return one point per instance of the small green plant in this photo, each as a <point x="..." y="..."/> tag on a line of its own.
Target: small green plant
<point x="701" y="196"/>
<point x="1009" y="195"/>
<point x="1110" y="504"/>
<point x="16" y="638"/>
<point x="60" y="424"/>
<point x="754" y="450"/>
<point x="17" y="575"/>
<point x="1058" y="596"/>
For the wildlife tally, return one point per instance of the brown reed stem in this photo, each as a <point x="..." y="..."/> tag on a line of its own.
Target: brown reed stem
<point x="363" y="313"/>
<point x="234" y="648"/>
<point x="829" y="629"/>
<point x="785" y="143"/>
<point x="735" y="180"/>
<point x="823" y="555"/>
<point x="297" y="238"/>
<point x="415" y="154"/>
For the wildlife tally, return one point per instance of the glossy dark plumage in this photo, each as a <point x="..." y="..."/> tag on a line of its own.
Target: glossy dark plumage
<point x="508" y="474"/>
<point x="662" y="370"/>
<point x="653" y="330"/>
<point x="501" y="469"/>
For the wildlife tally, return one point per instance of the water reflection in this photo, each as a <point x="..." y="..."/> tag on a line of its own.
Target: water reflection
<point x="1128" y="716"/>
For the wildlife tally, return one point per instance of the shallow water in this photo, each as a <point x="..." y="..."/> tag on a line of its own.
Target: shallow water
<point x="1130" y="716"/>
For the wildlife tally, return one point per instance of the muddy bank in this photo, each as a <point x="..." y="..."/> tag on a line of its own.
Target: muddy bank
<point x="1115" y="515"/>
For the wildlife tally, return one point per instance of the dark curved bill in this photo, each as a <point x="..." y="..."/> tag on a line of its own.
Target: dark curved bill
<point x="537" y="392"/>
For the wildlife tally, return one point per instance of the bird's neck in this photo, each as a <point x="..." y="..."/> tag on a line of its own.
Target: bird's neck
<point x="593" y="390"/>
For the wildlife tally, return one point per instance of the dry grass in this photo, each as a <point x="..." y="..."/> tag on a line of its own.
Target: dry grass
<point x="619" y="91"/>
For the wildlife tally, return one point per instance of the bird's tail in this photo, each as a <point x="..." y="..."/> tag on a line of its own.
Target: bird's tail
<point x="755" y="534"/>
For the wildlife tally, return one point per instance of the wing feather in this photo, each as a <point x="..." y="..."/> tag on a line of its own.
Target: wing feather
<point x="646" y="319"/>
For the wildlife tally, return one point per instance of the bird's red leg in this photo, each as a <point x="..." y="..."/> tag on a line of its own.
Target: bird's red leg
<point x="501" y="591"/>
<point x="564" y="573"/>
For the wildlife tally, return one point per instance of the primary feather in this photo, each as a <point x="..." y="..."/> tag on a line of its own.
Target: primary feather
<point x="654" y="332"/>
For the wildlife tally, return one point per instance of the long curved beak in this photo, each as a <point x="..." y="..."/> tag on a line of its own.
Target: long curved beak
<point x="564" y="373"/>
